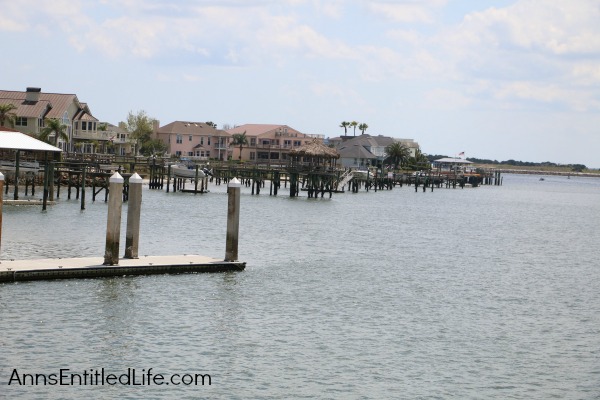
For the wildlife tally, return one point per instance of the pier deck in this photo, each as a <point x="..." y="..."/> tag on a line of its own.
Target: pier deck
<point x="91" y="267"/>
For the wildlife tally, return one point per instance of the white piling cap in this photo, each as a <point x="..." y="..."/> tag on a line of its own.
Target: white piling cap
<point x="235" y="182"/>
<point x="116" y="178"/>
<point x="135" y="178"/>
<point x="1" y="176"/>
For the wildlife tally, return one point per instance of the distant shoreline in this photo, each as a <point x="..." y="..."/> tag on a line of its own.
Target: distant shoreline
<point x="542" y="172"/>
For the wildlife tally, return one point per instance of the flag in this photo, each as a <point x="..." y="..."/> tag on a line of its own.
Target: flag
<point x="462" y="153"/>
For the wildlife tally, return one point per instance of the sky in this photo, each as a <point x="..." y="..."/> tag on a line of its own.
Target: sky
<point x="495" y="79"/>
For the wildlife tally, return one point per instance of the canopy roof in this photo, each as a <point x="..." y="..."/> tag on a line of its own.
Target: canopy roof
<point x="450" y="160"/>
<point x="316" y="149"/>
<point x="13" y="140"/>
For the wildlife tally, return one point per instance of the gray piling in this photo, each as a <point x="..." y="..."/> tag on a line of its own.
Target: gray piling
<point x="233" y="219"/>
<point x="17" y="173"/>
<point x="132" y="236"/>
<point x="113" y="225"/>
<point x="83" y="177"/>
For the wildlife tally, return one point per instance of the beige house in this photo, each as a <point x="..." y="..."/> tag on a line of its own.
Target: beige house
<point x="270" y="143"/>
<point x="33" y="107"/>
<point x="118" y="140"/>
<point x="195" y="140"/>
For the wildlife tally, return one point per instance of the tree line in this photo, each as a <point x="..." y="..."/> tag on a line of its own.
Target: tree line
<point x="515" y="163"/>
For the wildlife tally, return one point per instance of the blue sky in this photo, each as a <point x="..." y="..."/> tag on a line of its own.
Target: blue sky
<point x="496" y="79"/>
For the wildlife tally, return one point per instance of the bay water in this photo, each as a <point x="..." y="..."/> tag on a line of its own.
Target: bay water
<point x="477" y="293"/>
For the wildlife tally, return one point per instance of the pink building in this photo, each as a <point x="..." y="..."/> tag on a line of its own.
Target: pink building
<point x="195" y="140"/>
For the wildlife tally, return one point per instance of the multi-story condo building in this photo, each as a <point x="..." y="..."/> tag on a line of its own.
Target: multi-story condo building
<point x="267" y="142"/>
<point x="195" y="140"/>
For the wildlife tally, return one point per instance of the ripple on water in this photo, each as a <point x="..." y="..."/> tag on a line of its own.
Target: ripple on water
<point x="474" y="293"/>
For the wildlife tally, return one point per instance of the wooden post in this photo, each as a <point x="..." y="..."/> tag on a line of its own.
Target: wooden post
<point x="83" y="176"/>
<point x="1" y="201"/>
<point x="168" y="177"/>
<point x="46" y="173"/>
<point x="132" y="236"/>
<point x="51" y="181"/>
<point x="233" y="219"/>
<point x="113" y="225"/>
<point x="17" y="172"/>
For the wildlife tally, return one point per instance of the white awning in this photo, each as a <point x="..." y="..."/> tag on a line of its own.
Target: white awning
<point x="19" y="141"/>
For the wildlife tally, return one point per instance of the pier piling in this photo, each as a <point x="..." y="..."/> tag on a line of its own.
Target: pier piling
<point x="132" y="236"/>
<point x="233" y="219"/>
<point x="113" y="225"/>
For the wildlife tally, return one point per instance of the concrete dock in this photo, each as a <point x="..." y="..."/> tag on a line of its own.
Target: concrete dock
<point x="92" y="267"/>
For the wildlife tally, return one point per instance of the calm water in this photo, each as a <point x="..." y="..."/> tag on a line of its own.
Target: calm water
<point x="492" y="292"/>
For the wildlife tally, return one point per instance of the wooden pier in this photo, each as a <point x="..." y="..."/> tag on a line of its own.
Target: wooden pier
<point x="111" y="264"/>
<point x="92" y="267"/>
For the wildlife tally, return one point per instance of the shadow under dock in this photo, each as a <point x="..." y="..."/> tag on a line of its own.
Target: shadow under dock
<point x="92" y="267"/>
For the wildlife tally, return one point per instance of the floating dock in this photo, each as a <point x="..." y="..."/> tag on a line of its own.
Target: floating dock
<point x="92" y="267"/>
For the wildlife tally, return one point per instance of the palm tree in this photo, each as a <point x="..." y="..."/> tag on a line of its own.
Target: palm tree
<point x="421" y="161"/>
<point x="239" y="139"/>
<point x="345" y="125"/>
<point x="56" y="128"/>
<point x="363" y="127"/>
<point x="354" y="124"/>
<point x="6" y="114"/>
<point x="397" y="153"/>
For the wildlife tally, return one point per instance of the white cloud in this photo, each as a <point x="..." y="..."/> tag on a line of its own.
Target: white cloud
<point x="578" y="100"/>
<point x="445" y="99"/>
<point x="544" y="52"/>
<point x="559" y="27"/>
<point x="406" y="10"/>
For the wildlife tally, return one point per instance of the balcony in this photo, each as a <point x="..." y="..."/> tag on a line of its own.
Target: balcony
<point x="276" y="146"/>
<point x="91" y="135"/>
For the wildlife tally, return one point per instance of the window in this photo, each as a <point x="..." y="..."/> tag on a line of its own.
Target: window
<point x="287" y="143"/>
<point x="179" y="139"/>
<point x="208" y="141"/>
<point x="202" y="140"/>
<point x="21" y="121"/>
<point x="190" y="140"/>
<point x="253" y="142"/>
<point x="190" y="153"/>
<point x="252" y="155"/>
<point x="178" y="153"/>
<point x="297" y="143"/>
<point x="83" y="126"/>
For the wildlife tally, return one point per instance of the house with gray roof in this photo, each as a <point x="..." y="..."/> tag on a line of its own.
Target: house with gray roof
<point x="358" y="151"/>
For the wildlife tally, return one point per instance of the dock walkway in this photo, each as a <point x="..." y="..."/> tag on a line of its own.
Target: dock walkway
<point x="92" y="267"/>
